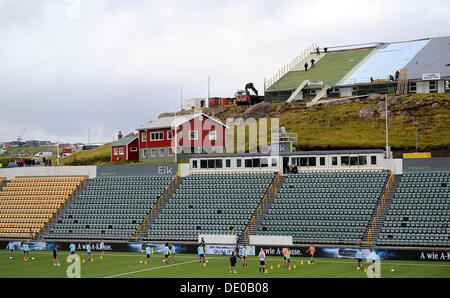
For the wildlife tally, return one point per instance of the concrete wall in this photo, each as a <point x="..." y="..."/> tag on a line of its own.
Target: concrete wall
<point x="270" y="240"/>
<point x="218" y="239"/>
<point x="10" y="173"/>
<point x="426" y="164"/>
<point x="137" y="170"/>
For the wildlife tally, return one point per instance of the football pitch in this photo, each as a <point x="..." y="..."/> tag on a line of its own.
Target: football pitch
<point x="132" y="265"/>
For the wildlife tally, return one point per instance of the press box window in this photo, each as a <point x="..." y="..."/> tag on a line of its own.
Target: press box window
<point x="264" y="162"/>
<point x="238" y="163"/>
<point x="373" y="160"/>
<point x="194" y="164"/>
<point x="203" y="164"/>
<point x="248" y="163"/>
<point x="211" y="163"/>
<point x="362" y="160"/>
<point x="344" y="160"/>
<point x="256" y="162"/>
<point x="274" y="162"/>
<point x="218" y="163"/>
<point x="353" y="160"/>
<point x="322" y="161"/>
<point x="228" y="163"/>
<point x="311" y="161"/>
<point x="334" y="161"/>
<point x="303" y="161"/>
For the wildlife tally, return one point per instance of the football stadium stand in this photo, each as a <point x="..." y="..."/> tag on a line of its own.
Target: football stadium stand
<point x="366" y="68"/>
<point x="328" y="207"/>
<point x="386" y="60"/>
<point x="110" y="208"/>
<point x="329" y="70"/>
<point x="210" y="204"/>
<point x="419" y="214"/>
<point x="28" y="204"/>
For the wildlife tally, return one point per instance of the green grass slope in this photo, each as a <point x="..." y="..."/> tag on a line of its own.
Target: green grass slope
<point x="327" y="127"/>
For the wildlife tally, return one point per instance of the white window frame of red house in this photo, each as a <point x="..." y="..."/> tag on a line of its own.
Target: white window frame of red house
<point x="163" y="151"/>
<point x="196" y="135"/>
<point x="171" y="135"/>
<point x="213" y="135"/>
<point x="144" y="153"/>
<point x="121" y="151"/>
<point x="170" y="153"/>
<point x="116" y="151"/>
<point x="153" y="152"/>
<point x="160" y="133"/>
<point x="144" y="136"/>
<point x="133" y="149"/>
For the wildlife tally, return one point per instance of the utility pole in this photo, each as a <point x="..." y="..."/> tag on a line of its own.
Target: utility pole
<point x="89" y="135"/>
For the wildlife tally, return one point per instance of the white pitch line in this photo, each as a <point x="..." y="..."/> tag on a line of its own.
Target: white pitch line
<point x="149" y="269"/>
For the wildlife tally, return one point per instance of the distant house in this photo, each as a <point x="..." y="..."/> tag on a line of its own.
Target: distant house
<point x="125" y="148"/>
<point x="195" y="103"/>
<point x="194" y="133"/>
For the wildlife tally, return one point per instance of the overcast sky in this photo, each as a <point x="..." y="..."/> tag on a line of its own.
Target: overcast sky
<point x="67" y="65"/>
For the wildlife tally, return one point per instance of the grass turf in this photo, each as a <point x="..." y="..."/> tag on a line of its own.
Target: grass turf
<point x="127" y="265"/>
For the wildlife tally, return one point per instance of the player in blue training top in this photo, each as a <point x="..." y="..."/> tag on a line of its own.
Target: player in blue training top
<point x="201" y="253"/>
<point x="148" y="252"/>
<point x="173" y="251"/>
<point x="359" y="257"/>
<point x="25" y="249"/>
<point x="166" y="253"/>
<point x="72" y="248"/>
<point x="244" y="256"/>
<point x="10" y="246"/>
<point x="88" y="250"/>
<point x="102" y="249"/>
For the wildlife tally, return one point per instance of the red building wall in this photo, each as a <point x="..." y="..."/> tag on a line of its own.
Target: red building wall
<point x="127" y="153"/>
<point x="203" y="127"/>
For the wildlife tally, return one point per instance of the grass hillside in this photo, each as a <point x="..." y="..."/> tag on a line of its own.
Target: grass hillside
<point x="329" y="126"/>
<point x="338" y="126"/>
<point x="94" y="156"/>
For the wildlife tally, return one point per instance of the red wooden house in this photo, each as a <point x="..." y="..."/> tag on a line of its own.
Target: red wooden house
<point x="194" y="133"/>
<point x="125" y="148"/>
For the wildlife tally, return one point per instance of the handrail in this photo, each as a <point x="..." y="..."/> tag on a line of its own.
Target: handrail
<point x="156" y="206"/>
<point x="286" y="68"/>
<point x="380" y="207"/>
<point x="271" y="192"/>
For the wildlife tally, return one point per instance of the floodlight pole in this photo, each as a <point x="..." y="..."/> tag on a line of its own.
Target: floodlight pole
<point x="387" y="128"/>
<point x="417" y="147"/>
